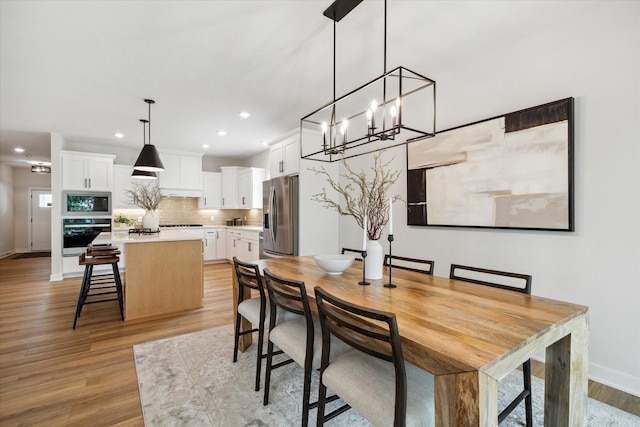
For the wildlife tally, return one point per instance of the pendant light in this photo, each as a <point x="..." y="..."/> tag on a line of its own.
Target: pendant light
<point x="394" y="109"/>
<point x="138" y="174"/>
<point x="149" y="159"/>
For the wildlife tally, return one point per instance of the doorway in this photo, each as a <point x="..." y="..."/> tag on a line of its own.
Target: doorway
<point x="40" y="219"/>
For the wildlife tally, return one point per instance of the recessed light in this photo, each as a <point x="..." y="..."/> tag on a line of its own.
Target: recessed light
<point x="118" y="135"/>
<point x="221" y="133"/>
<point x="18" y="150"/>
<point x="205" y="145"/>
<point x="265" y="143"/>
<point x="244" y="114"/>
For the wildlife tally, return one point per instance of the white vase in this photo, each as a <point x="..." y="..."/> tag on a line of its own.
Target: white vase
<point x="374" y="261"/>
<point x="151" y="220"/>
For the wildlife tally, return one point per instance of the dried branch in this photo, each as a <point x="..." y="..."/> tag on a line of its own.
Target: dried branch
<point x="362" y="196"/>
<point x="144" y="196"/>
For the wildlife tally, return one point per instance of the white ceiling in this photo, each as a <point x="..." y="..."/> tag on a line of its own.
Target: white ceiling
<point x="83" y="68"/>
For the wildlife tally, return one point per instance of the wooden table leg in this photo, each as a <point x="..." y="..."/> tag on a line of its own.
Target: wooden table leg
<point x="566" y="379"/>
<point x="245" y="340"/>
<point x="466" y="399"/>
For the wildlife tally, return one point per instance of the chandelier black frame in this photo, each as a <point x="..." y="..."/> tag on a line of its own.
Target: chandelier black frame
<point x="334" y="131"/>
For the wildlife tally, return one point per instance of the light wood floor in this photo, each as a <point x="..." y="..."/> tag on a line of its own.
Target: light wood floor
<point x="52" y="375"/>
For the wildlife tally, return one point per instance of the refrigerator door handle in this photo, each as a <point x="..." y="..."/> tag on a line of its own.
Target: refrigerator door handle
<point x="274" y="214"/>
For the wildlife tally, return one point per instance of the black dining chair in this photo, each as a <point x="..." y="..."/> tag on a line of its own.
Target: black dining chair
<point x="300" y="339"/>
<point x="373" y="378"/>
<point x="513" y="282"/>
<point x="355" y="251"/>
<point x="410" y="264"/>
<point x="252" y="309"/>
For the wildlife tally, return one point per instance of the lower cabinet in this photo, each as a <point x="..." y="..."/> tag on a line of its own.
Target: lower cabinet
<point x="234" y="244"/>
<point x="250" y="246"/>
<point x="215" y="247"/>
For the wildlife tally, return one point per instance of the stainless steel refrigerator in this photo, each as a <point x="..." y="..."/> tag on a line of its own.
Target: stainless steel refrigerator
<point x="280" y="210"/>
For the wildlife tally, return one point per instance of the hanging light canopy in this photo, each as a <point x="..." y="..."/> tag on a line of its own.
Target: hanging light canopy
<point x="396" y="108"/>
<point x="138" y="174"/>
<point x="40" y="169"/>
<point x="149" y="159"/>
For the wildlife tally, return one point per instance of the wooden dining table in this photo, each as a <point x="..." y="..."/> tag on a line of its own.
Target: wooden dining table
<point x="468" y="336"/>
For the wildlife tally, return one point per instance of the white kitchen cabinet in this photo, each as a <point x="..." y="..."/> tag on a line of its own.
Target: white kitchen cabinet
<point x="234" y="244"/>
<point x="215" y="244"/>
<point x="250" y="246"/>
<point x="182" y="175"/>
<point x="230" y="174"/>
<point x="211" y="191"/>
<point x="250" y="188"/>
<point x="87" y="171"/>
<point x="284" y="155"/>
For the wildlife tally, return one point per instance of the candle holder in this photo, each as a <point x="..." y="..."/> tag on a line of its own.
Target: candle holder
<point x="390" y="284"/>
<point x="364" y="260"/>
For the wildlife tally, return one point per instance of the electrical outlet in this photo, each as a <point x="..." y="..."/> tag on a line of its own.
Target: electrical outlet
<point x="139" y="219"/>
<point x="212" y="218"/>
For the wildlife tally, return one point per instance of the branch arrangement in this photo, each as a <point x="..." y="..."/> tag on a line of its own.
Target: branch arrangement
<point x="144" y="196"/>
<point x="361" y="195"/>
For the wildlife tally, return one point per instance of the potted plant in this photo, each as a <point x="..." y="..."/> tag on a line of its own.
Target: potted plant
<point x="146" y="196"/>
<point x="360" y="196"/>
<point x="122" y="220"/>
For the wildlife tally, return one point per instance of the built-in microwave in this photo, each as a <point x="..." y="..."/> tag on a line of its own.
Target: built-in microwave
<point x="86" y="203"/>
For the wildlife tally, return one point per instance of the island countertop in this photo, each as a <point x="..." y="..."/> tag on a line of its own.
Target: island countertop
<point x="116" y="237"/>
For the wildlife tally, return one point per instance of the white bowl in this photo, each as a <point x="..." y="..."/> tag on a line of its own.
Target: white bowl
<point x="334" y="264"/>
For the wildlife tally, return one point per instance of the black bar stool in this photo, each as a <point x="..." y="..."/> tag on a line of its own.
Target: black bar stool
<point x="101" y="287"/>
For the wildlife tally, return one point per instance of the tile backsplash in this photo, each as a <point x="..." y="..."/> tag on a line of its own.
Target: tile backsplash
<point x="184" y="210"/>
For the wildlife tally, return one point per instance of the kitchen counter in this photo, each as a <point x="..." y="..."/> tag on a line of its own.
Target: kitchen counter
<point x="163" y="272"/>
<point x="123" y="236"/>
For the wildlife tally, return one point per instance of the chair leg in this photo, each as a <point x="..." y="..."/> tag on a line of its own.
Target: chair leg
<point x="322" y="395"/>
<point x="526" y="370"/>
<point x="82" y="295"/>
<point x="118" y="281"/>
<point x="259" y="354"/>
<point x="267" y="373"/>
<point x="236" y="338"/>
<point x="306" y="395"/>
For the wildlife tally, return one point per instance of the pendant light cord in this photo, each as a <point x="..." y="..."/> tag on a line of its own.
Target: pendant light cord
<point x="150" y="122"/>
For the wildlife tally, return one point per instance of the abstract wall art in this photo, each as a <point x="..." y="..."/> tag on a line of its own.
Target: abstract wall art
<point x="510" y="171"/>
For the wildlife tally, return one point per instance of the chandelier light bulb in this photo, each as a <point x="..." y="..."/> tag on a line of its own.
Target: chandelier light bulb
<point x="374" y="106"/>
<point x="324" y="127"/>
<point x="344" y="126"/>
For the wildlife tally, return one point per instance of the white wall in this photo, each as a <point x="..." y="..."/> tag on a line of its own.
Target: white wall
<point x="593" y="56"/>
<point x="6" y="210"/>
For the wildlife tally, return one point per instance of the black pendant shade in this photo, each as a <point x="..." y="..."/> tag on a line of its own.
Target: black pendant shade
<point x="149" y="159"/>
<point x="138" y="174"/>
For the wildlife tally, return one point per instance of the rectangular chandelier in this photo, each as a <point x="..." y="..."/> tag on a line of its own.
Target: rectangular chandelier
<point x="394" y="109"/>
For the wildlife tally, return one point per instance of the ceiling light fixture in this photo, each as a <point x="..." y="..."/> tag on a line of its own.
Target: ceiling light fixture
<point x="244" y="115"/>
<point x="118" y="135"/>
<point x="383" y="113"/>
<point x="140" y="174"/>
<point x="149" y="159"/>
<point x="221" y="133"/>
<point x="40" y="169"/>
<point x="18" y="150"/>
<point x="205" y="145"/>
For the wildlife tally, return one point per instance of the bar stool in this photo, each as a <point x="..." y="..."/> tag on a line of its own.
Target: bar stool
<point x="97" y="288"/>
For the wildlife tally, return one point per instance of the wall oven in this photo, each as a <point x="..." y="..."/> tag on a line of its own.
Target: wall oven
<point x="86" y="203"/>
<point x="78" y="233"/>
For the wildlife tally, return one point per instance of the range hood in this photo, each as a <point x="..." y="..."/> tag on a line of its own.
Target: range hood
<point x="175" y="192"/>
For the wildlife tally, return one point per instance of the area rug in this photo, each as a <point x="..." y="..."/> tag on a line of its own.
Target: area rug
<point x="190" y="380"/>
<point x="33" y="255"/>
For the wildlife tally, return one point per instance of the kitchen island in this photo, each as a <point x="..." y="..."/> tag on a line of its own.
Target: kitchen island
<point x="163" y="271"/>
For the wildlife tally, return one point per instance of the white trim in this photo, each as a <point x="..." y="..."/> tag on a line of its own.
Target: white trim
<point x="616" y="379"/>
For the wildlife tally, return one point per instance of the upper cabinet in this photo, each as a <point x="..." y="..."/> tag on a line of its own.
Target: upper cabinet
<point x="211" y="191"/>
<point x="230" y="175"/>
<point x="182" y="174"/>
<point x="250" y="188"/>
<point x="284" y="155"/>
<point x="87" y="171"/>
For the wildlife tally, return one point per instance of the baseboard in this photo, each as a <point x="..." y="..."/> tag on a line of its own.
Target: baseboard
<point x="609" y="377"/>
<point x="6" y="254"/>
<point x="56" y="277"/>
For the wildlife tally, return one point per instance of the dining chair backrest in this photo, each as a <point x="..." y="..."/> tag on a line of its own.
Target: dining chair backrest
<point x="353" y="324"/>
<point x="289" y="295"/>
<point x="411" y="264"/>
<point x="248" y="276"/>
<point x="495" y="278"/>
<point x="355" y="251"/>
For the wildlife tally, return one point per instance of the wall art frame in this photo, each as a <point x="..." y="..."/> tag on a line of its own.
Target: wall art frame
<point x="514" y="171"/>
